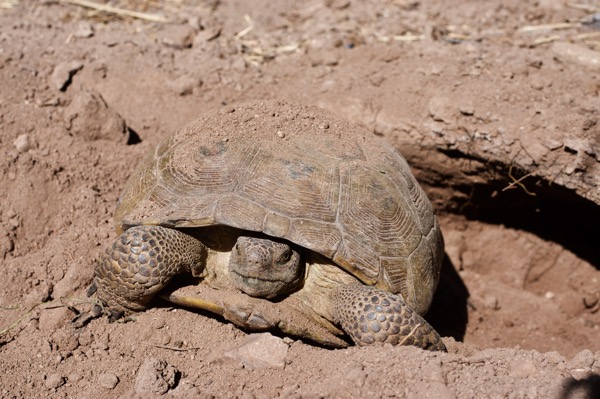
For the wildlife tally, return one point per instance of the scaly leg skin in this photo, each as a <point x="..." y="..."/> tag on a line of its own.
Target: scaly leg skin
<point x="140" y="263"/>
<point x="256" y="314"/>
<point x="370" y="316"/>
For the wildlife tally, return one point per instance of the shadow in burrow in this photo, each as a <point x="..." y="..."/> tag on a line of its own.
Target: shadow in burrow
<point x="449" y="313"/>
<point x="587" y="388"/>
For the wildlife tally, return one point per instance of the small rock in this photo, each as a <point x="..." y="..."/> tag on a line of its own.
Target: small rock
<point x="194" y="22"/>
<point x="7" y="245"/>
<point x="491" y="302"/>
<point x="552" y="144"/>
<point x="186" y="389"/>
<point x="259" y="351"/>
<point x="108" y="380"/>
<point x="247" y="394"/>
<point x="467" y="108"/>
<point x="22" y="143"/>
<point x="158" y="323"/>
<point x="90" y="117"/>
<point x="205" y="36"/>
<point x="590" y="300"/>
<point x="289" y="392"/>
<point x="178" y="36"/>
<point x="596" y="364"/>
<point x="440" y="110"/>
<point x="325" y="58"/>
<point x="554" y="357"/>
<point x="74" y="377"/>
<point x="155" y="377"/>
<point x="54" y="381"/>
<point x="84" y="30"/>
<point x="64" y="341"/>
<point x="582" y="360"/>
<point x="184" y="85"/>
<point x="63" y="72"/>
<point x="14" y="223"/>
<point x="571" y="52"/>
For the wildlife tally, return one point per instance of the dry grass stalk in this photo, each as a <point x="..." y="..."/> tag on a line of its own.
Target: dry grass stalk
<point x="6" y="4"/>
<point x="116" y="11"/>
<point x="544" y="40"/>
<point x="550" y="27"/>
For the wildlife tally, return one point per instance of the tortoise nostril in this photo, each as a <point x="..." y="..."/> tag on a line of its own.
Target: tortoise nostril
<point x="254" y="258"/>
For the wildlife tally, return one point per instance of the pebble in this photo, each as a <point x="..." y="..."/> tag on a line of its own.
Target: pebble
<point x="184" y="85"/>
<point x="440" y="110"/>
<point x="84" y="30"/>
<point x="206" y="35"/>
<point x="108" y="380"/>
<point x="178" y="36"/>
<point x="491" y="302"/>
<point x="155" y="376"/>
<point x="74" y="377"/>
<point x="552" y="144"/>
<point x="576" y="53"/>
<point x="590" y="300"/>
<point x="554" y="358"/>
<point x="22" y="143"/>
<point x="158" y="322"/>
<point x="54" y="381"/>
<point x="467" y="108"/>
<point x="259" y="351"/>
<point x="582" y="360"/>
<point x="63" y="72"/>
<point x="90" y="117"/>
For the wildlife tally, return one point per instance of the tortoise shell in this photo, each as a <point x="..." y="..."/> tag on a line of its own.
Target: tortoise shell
<point x="300" y="174"/>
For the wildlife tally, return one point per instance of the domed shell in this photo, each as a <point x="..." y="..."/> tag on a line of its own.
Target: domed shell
<point x="300" y="174"/>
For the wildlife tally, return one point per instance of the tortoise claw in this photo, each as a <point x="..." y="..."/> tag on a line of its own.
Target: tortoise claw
<point x="82" y="319"/>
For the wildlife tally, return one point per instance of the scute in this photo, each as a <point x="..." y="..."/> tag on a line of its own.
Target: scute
<point x="338" y="190"/>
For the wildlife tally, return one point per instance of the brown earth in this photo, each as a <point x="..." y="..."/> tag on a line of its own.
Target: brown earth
<point x="496" y="106"/>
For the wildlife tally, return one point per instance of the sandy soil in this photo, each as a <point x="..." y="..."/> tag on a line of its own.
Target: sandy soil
<point x="85" y="94"/>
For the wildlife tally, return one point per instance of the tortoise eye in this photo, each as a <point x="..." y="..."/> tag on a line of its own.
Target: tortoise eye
<point x="285" y="257"/>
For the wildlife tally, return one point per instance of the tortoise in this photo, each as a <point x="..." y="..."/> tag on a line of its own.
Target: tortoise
<point x="286" y="217"/>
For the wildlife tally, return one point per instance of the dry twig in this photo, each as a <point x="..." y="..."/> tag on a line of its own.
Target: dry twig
<point x="51" y="305"/>
<point x="173" y="348"/>
<point x="516" y="182"/>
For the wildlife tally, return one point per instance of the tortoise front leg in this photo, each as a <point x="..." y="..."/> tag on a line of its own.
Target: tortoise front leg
<point x="370" y="316"/>
<point x="255" y="314"/>
<point x="140" y="263"/>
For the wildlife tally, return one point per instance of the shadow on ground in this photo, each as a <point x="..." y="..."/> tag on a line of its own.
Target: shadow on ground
<point x="449" y="313"/>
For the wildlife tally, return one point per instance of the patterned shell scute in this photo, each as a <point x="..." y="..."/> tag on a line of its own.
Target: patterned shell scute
<point x="331" y="191"/>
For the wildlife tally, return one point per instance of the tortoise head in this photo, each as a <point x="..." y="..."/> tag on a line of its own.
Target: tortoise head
<point x="264" y="268"/>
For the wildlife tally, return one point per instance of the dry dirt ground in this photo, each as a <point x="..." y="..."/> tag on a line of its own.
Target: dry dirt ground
<point x="465" y="89"/>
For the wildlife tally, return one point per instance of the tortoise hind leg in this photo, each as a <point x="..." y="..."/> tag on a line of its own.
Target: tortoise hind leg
<point x="370" y="315"/>
<point x="140" y="263"/>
